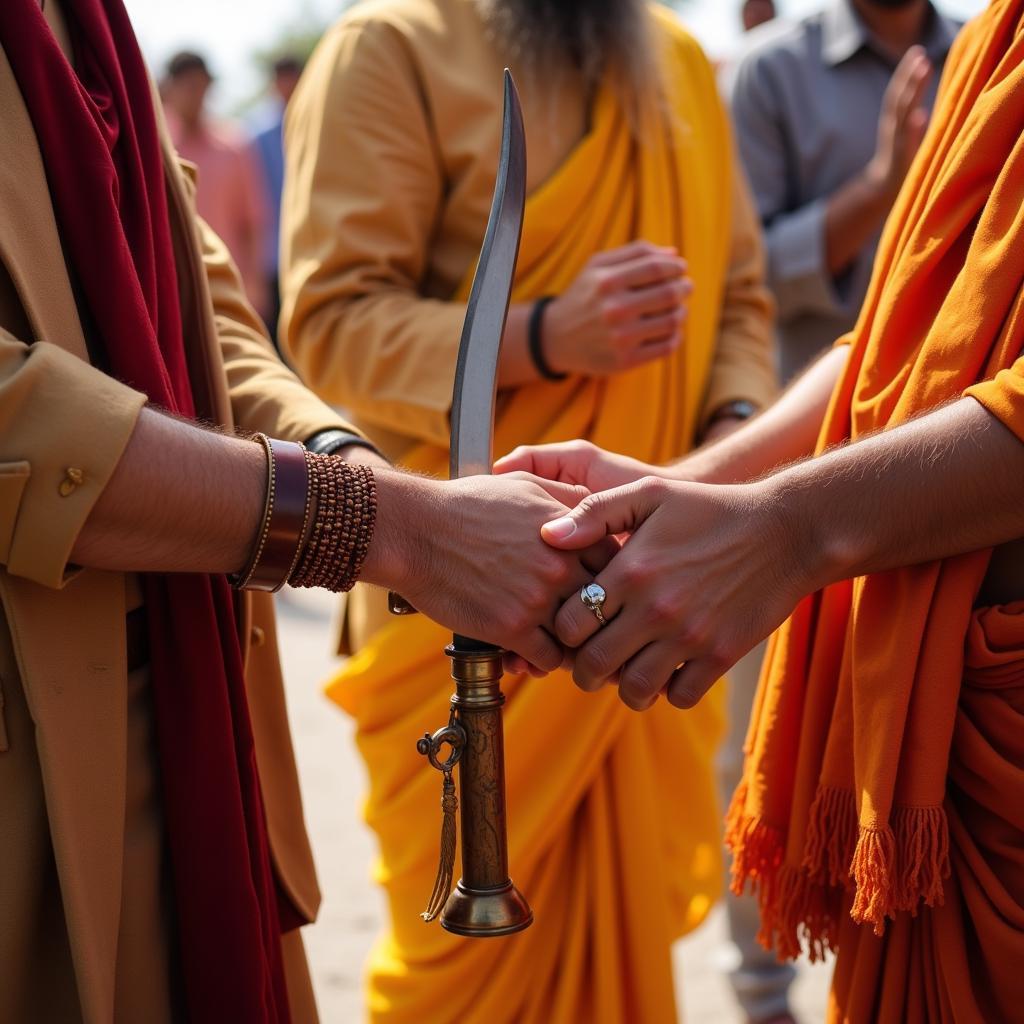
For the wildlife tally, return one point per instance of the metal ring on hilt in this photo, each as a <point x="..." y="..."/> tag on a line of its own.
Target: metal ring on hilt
<point x="430" y="745"/>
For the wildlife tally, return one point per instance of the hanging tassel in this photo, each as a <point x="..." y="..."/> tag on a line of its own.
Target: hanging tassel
<point x="446" y="867"/>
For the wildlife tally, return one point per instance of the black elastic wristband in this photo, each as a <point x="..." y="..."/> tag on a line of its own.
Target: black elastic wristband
<point x="327" y="442"/>
<point x="536" y="342"/>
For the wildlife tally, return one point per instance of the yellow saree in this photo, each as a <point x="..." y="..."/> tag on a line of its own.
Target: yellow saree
<point x="614" y="825"/>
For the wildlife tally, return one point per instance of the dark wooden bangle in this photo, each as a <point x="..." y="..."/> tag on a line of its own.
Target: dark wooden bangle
<point x="285" y="518"/>
<point x="536" y="340"/>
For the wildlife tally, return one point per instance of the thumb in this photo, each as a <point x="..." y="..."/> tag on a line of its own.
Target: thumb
<point x="620" y="510"/>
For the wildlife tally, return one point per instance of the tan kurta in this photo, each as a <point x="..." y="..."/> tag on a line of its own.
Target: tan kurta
<point x="78" y="889"/>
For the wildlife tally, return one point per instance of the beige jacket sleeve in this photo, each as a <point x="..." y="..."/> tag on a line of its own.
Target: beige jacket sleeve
<point x="65" y="424"/>
<point x="63" y="428"/>
<point x="744" y="366"/>
<point x="364" y="188"/>
<point x="265" y="394"/>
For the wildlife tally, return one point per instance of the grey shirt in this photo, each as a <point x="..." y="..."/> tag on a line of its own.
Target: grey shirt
<point x="806" y="98"/>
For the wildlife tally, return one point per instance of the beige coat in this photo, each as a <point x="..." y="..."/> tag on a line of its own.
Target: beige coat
<point x="62" y="631"/>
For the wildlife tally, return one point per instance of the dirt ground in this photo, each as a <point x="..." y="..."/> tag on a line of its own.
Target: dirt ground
<point x="333" y="784"/>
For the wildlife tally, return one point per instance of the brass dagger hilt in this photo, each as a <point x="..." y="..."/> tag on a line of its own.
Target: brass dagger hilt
<point x="485" y="901"/>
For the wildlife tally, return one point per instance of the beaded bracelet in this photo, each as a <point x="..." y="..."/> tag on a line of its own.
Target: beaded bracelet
<point x="345" y="497"/>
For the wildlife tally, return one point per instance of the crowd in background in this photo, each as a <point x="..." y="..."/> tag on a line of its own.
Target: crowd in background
<point x="241" y="168"/>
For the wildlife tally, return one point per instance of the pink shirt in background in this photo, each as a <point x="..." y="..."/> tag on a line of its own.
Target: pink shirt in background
<point x="231" y="197"/>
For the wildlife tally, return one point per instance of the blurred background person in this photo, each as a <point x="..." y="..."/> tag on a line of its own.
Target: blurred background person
<point x="756" y="12"/>
<point x="230" y="196"/>
<point x="392" y="143"/>
<point x="829" y="113"/>
<point x="268" y="147"/>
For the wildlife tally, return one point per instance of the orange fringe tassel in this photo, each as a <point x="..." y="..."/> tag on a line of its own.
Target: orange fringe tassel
<point x="831" y="836"/>
<point x="889" y="870"/>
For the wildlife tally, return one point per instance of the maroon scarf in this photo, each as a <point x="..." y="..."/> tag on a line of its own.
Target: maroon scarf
<point x="98" y="137"/>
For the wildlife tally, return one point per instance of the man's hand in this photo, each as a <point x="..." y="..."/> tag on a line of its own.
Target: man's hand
<point x="902" y="123"/>
<point x="469" y="554"/>
<point x="627" y="307"/>
<point x="708" y="572"/>
<point x="579" y="463"/>
<point x="856" y="209"/>
<point x="712" y="569"/>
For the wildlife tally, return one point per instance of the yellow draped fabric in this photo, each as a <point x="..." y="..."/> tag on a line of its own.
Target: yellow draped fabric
<point x="614" y="824"/>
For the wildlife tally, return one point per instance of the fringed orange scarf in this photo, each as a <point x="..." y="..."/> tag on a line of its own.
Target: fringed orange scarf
<point x="849" y="745"/>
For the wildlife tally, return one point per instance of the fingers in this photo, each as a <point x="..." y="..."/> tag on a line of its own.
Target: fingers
<point x="647" y="674"/>
<point x="659" y="298"/>
<point x="567" y="461"/>
<point x="909" y="80"/>
<point x="537" y="461"/>
<point x="515" y="665"/>
<point x="594" y="559"/>
<point x="914" y="88"/>
<point x="569" y="495"/>
<point x="539" y="650"/>
<point x="604" y="652"/>
<point x="689" y="684"/>
<point x="645" y="272"/>
<point x="629" y="253"/>
<point x="650" y="351"/>
<point x="663" y="328"/>
<point x="917" y="125"/>
<point x="896" y="89"/>
<point x="620" y="510"/>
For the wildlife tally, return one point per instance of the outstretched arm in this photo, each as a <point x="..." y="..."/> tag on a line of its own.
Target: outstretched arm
<point x="711" y="570"/>
<point x="468" y="553"/>
<point x="785" y="432"/>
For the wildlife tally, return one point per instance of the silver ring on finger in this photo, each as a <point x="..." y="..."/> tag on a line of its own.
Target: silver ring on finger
<point x="593" y="596"/>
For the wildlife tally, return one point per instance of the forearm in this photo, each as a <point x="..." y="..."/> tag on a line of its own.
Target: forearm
<point x="783" y="433"/>
<point x="516" y="366"/>
<point x="743" y="366"/>
<point x="182" y="499"/>
<point x="853" y="214"/>
<point x="944" y="484"/>
<point x="186" y="499"/>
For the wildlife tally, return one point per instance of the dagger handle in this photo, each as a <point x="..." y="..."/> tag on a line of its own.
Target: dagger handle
<point x="478" y="702"/>
<point x="485" y="902"/>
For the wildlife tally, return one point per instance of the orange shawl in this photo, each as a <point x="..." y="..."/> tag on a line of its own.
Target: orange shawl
<point x="841" y="804"/>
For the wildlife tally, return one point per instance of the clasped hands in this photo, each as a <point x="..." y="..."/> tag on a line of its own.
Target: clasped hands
<point x="695" y="574"/>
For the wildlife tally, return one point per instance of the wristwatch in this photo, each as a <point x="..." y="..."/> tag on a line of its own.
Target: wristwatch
<point x="327" y="442"/>
<point x="738" y="410"/>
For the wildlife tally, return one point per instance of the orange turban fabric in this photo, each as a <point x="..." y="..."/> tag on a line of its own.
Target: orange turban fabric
<point x="889" y="700"/>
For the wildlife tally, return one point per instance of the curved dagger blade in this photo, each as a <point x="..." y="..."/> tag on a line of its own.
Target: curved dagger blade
<point x="476" y="372"/>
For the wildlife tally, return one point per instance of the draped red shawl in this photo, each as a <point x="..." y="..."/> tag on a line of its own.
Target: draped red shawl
<point x="97" y="133"/>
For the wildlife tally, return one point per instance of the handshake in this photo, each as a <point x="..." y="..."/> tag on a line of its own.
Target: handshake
<point x="683" y="577"/>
